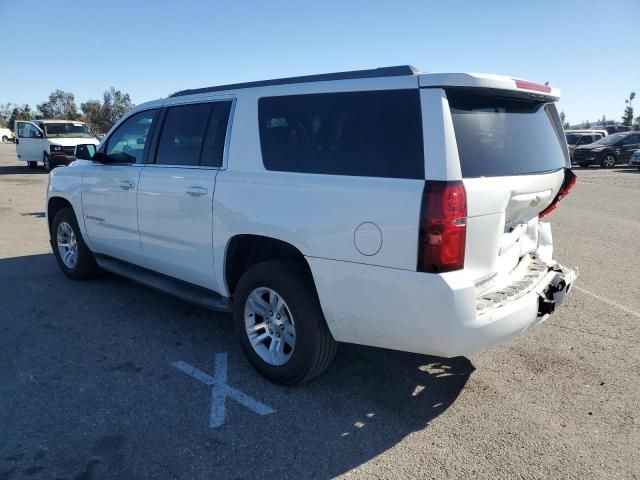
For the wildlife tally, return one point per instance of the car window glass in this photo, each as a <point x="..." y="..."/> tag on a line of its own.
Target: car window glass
<point x="182" y="134"/>
<point x="127" y="143"/>
<point x="20" y="129"/>
<point x="213" y="148"/>
<point x="373" y="134"/>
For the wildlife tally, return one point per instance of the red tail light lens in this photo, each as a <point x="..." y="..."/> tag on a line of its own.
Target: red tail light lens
<point x="443" y="227"/>
<point x="569" y="181"/>
<point x="533" y="86"/>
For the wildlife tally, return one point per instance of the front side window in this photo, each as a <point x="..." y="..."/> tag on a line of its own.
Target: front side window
<point x="20" y="129"/>
<point x="369" y="134"/>
<point x="30" y="131"/>
<point x="194" y="134"/>
<point x="127" y="143"/>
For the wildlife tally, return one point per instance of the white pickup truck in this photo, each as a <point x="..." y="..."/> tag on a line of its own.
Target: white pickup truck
<point x="382" y="207"/>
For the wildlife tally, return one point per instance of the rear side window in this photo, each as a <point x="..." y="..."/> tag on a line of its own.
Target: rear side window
<point x="194" y="134"/>
<point x="499" y="136"/>
<point x="369" y="134"/>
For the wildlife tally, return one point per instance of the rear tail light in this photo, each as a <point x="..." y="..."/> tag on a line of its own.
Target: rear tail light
<point x="443" y="227"/>
<point x="569" y="181"/>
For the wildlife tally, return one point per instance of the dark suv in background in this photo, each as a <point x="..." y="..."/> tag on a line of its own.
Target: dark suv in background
<point x="606" y="152"/>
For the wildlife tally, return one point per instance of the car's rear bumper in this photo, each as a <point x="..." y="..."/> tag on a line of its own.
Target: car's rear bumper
<point x="426" y="313"/>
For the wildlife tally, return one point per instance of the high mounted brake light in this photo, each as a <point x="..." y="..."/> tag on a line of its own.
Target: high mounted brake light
<point x="533" y="86"/>
<point x="568" y="183"/>
<point x="443" y="227"/>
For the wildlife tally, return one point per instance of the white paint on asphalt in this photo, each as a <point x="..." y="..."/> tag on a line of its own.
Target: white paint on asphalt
<point x="606" y="300"/>
<point x="220" y="390"/>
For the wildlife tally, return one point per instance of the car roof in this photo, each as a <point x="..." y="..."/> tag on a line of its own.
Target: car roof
<point x="57" y="121"/>
<point x="479" y="80"/>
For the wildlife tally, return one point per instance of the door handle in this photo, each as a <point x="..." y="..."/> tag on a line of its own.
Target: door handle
<point x="197" y="191"/>
<point x="126" y="185"/>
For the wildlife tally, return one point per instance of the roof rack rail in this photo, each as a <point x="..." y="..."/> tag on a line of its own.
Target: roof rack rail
<point x="397" y="71"/>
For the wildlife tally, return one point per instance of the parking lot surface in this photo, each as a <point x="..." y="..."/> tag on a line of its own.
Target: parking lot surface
<point x="89" y="388"/>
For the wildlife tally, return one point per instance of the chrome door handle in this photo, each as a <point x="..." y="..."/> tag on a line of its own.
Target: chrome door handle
<point x="197" y="191"/>
<point x="126" y="185"/>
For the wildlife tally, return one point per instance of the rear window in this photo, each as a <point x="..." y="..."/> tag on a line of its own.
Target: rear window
<point x="500" y="136"/>
<point x="369" y="134"/>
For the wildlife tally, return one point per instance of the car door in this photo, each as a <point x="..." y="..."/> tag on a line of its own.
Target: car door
<point x="175" y="197"/>
<point x="109" y="189"/>
<point x="29" y="142"/>
<point x="629" y="145"/>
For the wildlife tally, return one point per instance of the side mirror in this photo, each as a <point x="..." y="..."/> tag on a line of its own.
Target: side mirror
<point x="86" y="152"/>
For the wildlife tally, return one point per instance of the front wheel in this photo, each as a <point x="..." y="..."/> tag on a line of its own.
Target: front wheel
<point x="608" y="161"/>
<point x="46" y="162"/>
<point x="279" y="320"/>
<point x="73" y="255"/>
<point x="32" y="164"/>
<point x="5" y="139"/>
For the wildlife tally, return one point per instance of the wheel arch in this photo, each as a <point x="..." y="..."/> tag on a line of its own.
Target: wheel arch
<point x="54" y="205"/>
<point x="243" y="251"/>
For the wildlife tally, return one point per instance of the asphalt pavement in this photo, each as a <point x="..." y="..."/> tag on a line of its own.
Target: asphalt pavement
<point x="108" y="379"/>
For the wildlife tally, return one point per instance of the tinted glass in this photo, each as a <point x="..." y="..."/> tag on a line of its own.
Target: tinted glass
<point x="20" y="129"/>
<point x="68" y="130"/>
<point x="213" y="148"/>
<point x="572" y="138"/>
<point x="182" y="134"/>
<point x="127" y="143"/>
<point x="371" y="134"/>
<point x="499" y="136"/>
<point x="586" y="139"/>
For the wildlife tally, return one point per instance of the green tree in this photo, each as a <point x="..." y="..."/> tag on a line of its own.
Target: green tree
<point x="114" y="105"/>
<point x="92" y="115"/>
<point x="636" y="125"/>
<point x="563" y="120"/>
<point x="20" y="113"/>
<point x="627" y="118"/>
<point x="587" y="124"/>
<point x="60" y="105"/>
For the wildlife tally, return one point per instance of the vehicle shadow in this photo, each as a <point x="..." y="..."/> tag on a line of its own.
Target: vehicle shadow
<point x="635" y="170"/>
<point x="21" y="170"/>
<point x="89" y="364"/>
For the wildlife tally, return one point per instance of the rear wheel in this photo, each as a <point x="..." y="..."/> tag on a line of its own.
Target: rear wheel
<point x="279" y="320"/>
<point x="608" y="161"/>
<point x="32" y="164"/>
<point x="73" y="255"/>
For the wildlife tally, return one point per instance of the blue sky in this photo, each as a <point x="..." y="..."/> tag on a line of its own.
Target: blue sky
<point x="588" y="49"/>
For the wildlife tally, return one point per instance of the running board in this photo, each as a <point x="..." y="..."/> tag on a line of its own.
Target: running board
<point x="186" y="291"/>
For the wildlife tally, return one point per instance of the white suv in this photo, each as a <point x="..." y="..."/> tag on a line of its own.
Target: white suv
<point x="52" y="142"/>
<point x="380" y="207"/>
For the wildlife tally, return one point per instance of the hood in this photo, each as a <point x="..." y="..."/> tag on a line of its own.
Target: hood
<point x="72" y="142"/>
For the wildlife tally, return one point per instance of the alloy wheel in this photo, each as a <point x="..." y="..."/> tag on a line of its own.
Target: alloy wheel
<point x="269" y="326"/>
<point x="67" y="245"/>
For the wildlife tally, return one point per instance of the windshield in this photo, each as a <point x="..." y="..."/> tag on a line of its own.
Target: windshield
<point x="498" y="135"/>
<point x="610" y="139"/>
<point x="572" y="138"/>
<point x="67" y="130"/>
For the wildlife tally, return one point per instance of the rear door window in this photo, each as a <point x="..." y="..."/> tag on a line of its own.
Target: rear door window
<point x="194" y="134"/>
<point x="369" y="134"/>
<point x="499" y="135"/>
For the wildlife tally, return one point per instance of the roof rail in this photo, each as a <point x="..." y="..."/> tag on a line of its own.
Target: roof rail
<point x="397" y="71"/>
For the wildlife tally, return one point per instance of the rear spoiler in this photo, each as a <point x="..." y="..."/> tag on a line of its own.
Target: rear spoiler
<point x="537" y="91"/>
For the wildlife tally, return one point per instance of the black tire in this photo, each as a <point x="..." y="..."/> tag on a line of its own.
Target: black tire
<point x="584" y="165"/>
<point x="5" y="139"/>
<point x="46" y="162"/>
<point x="85" y="267"/>
<point x="603" y="162"/>
<point x="314" y="348"/>
<point x="32" y="164"/>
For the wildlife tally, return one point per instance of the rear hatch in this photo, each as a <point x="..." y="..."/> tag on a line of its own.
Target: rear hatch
<point x="513" y="157"/>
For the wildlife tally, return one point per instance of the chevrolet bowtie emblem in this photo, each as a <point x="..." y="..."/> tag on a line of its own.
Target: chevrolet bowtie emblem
<point x="535" y="202"/>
